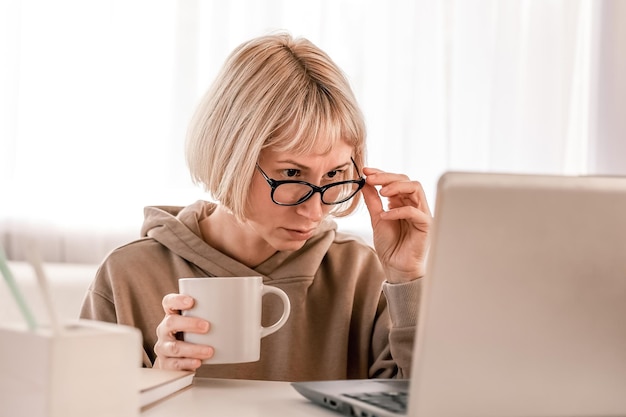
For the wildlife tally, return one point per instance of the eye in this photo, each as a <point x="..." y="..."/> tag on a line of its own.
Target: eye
<point x="337" y="175"/>
<point x="291" y="172"/>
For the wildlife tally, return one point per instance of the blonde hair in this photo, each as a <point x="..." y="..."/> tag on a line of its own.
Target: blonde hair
<point x="273" y="92"/>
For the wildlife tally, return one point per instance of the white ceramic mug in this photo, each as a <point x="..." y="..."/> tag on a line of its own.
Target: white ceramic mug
<point x="233" y="307"/>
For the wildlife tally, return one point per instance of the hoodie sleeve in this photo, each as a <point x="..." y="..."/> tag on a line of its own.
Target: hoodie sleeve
<point x="403" y="302"/>
<point x="394" y="331"/>
<point x="116" y="293"/>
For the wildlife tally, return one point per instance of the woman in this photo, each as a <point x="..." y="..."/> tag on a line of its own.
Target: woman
<point x="279" y="143"/>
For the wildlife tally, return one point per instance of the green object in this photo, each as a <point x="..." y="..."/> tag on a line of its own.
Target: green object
<point x="17" y="295"/>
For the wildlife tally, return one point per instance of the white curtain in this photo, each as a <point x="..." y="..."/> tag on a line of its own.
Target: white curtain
<point x="96" y="95"/>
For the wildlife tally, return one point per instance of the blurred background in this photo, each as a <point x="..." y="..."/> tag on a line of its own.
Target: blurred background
<point x="95" y="97"/>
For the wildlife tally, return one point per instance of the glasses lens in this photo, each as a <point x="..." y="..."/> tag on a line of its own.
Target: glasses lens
<point x="338" y="193"/>
<point x="291" y="193"/>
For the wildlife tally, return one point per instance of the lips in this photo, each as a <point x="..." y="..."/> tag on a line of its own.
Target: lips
<point x="300" y="234"/>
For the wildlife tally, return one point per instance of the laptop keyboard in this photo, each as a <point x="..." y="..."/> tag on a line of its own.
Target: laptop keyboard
<point x="394" y="401"/>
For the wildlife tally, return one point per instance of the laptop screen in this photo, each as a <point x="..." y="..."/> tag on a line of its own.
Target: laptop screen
<point x="524" y="305"/>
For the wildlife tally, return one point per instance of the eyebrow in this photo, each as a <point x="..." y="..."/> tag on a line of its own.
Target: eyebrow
<point x="306" y="168"/>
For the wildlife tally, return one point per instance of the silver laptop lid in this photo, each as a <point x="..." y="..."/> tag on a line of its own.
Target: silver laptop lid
<point x="524" y="305"/>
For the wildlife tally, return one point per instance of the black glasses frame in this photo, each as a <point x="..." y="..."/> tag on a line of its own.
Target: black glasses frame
<point x="314" y="188"/>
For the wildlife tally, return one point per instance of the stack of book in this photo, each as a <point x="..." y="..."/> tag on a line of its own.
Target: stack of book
<point x="157" y="384"/>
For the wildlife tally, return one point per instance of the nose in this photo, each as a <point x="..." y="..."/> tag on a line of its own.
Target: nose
<point x="312" y="209"/>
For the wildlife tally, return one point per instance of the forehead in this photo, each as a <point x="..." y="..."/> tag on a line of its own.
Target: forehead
<point x="339" y="155"/>
<point x="315" y="133"/>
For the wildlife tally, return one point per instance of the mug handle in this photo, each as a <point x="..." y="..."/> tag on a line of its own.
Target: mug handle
<point x="266" y="331"/>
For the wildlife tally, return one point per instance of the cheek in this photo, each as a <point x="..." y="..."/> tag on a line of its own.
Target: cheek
<point x="265" y="217"/>
<point x="259" y="201"/>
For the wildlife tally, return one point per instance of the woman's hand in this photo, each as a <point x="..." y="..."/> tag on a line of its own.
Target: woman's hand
<point x="401" y="236"/>
<point x="171" y="352"/>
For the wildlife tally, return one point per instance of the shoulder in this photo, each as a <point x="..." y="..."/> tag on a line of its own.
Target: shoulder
<point x="138" y="260"/>
<point x="140" y="251"/>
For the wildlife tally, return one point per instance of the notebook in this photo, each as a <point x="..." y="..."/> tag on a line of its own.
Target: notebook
<point x="524" y="304"/>
<point x="158" y="384"/>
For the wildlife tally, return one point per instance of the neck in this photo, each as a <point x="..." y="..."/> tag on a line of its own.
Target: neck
<point x="238" y="240"/>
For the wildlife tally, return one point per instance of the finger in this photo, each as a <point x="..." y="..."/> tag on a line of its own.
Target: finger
<point x="376" y="176"/>
<point x="175" y="323"/>
<point x="406" y="193"/>
<point x="180" y="364"/>
<point x="401" y="186"/>
<point x="372" y="201"/>
<point x="394" y="185"/>
<point x="371" y="170"/>
<point x="402" y="192"/>
<point x="418" y="218"/>
<point x="173" y="303"/>
<point x="182" y="349"/>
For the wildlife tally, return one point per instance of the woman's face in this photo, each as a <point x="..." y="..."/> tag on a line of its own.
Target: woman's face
<point x="287" y="228"/>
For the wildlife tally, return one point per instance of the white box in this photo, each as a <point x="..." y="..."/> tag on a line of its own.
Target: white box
<point x="90" y="369"/>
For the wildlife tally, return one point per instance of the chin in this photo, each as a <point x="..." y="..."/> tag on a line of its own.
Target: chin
<point x="290" y="245"/>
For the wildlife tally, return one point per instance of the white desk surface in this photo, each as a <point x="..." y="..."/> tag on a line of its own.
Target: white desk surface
<point x="236" y="398"/>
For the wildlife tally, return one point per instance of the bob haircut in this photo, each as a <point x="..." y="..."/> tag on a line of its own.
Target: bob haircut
<point x="274" y="92"/>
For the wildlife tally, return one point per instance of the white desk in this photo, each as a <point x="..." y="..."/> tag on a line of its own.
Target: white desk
<point x="236" y="398"/>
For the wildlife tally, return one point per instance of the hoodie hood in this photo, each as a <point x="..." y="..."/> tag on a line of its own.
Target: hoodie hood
<point x="177" y="228"/>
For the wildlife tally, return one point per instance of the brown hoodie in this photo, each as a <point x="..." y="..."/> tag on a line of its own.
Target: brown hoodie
<point x="341" y="325"/>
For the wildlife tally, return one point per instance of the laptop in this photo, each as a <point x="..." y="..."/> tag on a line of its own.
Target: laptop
<point x="523" y="310"/>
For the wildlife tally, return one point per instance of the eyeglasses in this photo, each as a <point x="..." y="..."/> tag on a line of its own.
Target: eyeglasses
<point x="293" y="192"/>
